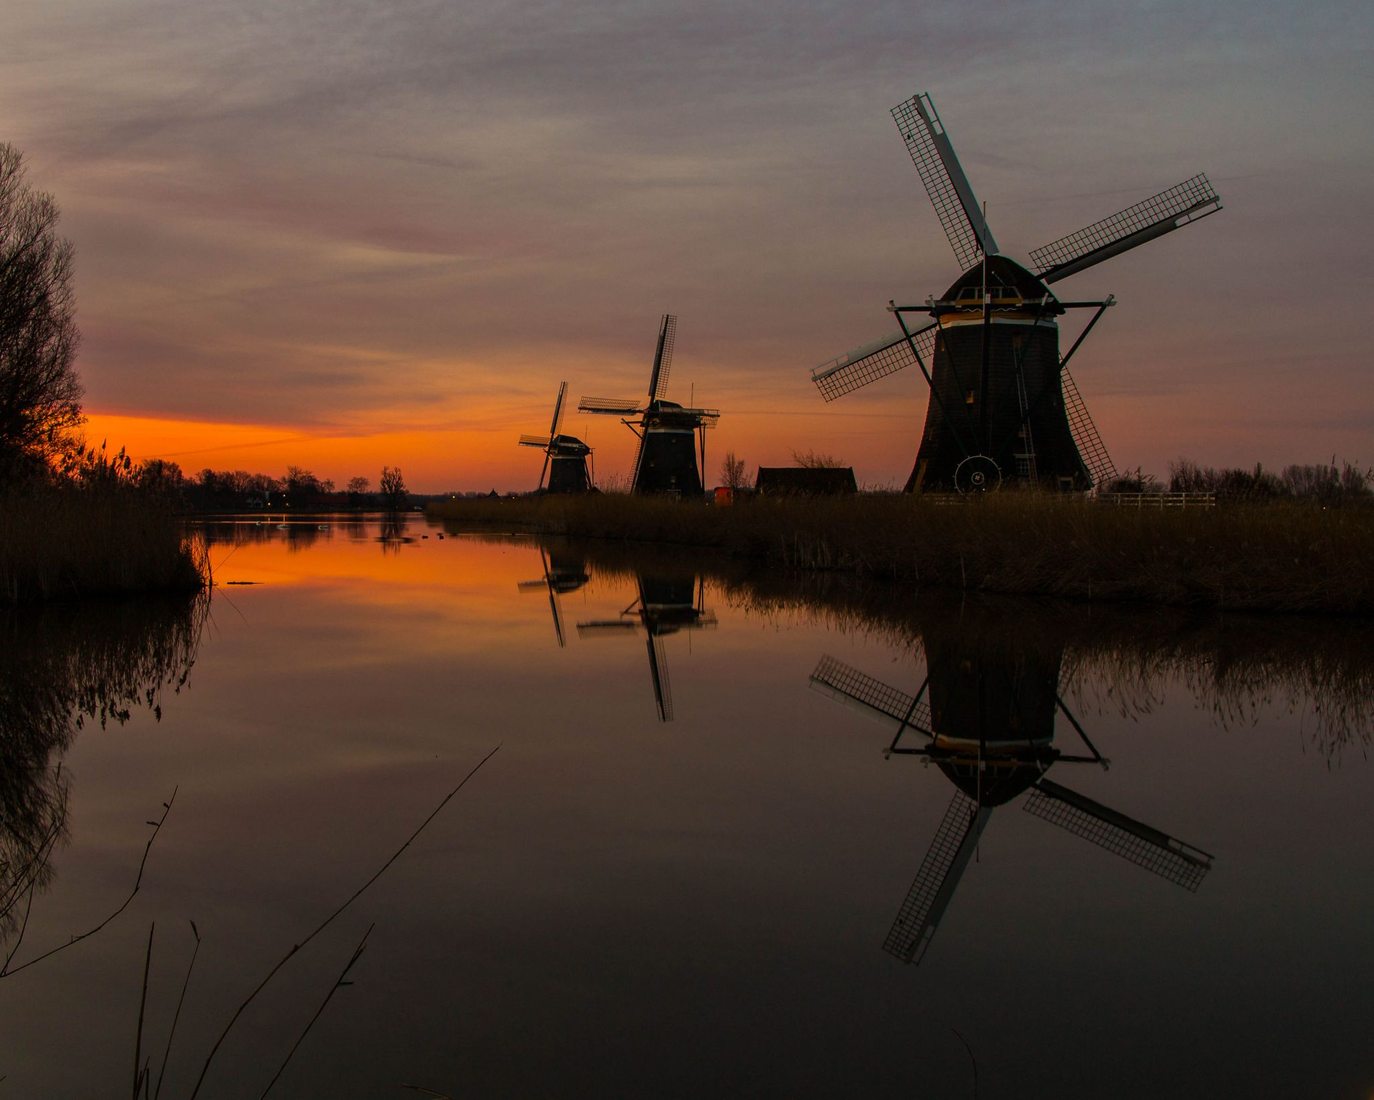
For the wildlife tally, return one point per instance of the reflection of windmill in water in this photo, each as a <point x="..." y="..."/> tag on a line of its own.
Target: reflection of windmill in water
<point x="985" y="715"/>
<point x="667" y="459"/>
<point x="665" y="605"/>
<point x="1003" y="404"/>
<point x="563" y="573"/>
<point x="565" y="456"/>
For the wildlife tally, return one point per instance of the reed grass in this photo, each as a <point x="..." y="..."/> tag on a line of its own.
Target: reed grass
<point x="65" y="543"/>
<point x="1272" y="557"/>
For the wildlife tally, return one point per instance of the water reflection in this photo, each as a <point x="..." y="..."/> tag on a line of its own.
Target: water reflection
<point x="667" y="603"/>
<point x="985" y="715"/>
<point x="341" y="692"/>
<point x="61" y="667"/>
<point x="564" y="572"/>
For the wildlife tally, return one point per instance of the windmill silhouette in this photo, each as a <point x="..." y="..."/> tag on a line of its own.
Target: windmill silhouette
<point x="563" y="573"/>
<point x="1003" y="403"/>
<point x="666" y="604"/>
<point x="667" y="459"/>
<point x="565" y="456"/>
<point x="985" y="715"/>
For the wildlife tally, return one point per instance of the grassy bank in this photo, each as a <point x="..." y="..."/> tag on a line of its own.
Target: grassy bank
<point x="1275" y="557"/>
<point x="59" y="544"/>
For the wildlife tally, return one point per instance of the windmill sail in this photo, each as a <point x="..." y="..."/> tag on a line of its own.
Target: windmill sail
<point x="1091" y="449"/>
<point x="1157" y="852"/>
<point x="872" y="361"/>
<point x="944" y="179"/>
<point x="663" y="357"/>
<point x="869" y="695"/>
<point x="616" y="406"/>
<point x="1171" y="209"/>
<point x="930" y="894"/>
<point x="558" y="410"/>
<point x="658" y="670"/>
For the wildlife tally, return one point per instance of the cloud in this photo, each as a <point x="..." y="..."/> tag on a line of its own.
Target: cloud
<point x="314" y="212"/>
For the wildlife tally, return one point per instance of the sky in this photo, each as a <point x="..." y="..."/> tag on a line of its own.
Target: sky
<point x="352" y="234"/>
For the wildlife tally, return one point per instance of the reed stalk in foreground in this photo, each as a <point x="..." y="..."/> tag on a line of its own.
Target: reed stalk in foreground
<point x="1274" y="557"/>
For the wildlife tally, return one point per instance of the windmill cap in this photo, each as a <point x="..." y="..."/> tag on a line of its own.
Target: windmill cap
<point x="1005" y="278"/>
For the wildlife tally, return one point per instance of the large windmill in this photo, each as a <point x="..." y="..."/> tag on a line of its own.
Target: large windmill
<point x="1003" y="404"/>
<point x="665" y="605"/>
<point x="985" y="715"/>
<point x="565" y="456"/>
<point x="671" y="438"/>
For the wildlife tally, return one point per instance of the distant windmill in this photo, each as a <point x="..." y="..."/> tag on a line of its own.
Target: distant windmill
<point x="667" y="460"/>
<point x="565" y="456"/>
<point x="1003" y="404"/>
<point x="665" y="605"/>
<point x="987" y="721"/>
<point x="562" y="574"/>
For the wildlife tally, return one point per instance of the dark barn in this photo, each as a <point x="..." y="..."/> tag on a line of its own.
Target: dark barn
<point x="815" y="481"/>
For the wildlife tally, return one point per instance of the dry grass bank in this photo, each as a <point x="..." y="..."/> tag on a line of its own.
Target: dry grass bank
<point x="59" y="544"/>
<point x="1272" y="557"/>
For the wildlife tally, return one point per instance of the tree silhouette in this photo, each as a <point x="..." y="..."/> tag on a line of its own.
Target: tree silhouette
<point x="393" y="488"/>
<point x="40" y="395"/>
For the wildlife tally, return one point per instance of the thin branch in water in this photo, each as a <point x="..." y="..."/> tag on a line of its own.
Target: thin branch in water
<point x="330" y="919"/>
<point x="166" y="1054"/>
<point x="339" y="983"/>
<point x="140" y="1070"/>
<point x="971" y="1058"/>
<point x="138" y="882"/>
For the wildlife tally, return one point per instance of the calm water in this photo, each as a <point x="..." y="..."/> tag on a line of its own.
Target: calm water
<point x="688" y="870"/>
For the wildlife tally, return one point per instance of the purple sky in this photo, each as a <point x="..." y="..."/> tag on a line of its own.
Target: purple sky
<point x="357" y="218"/>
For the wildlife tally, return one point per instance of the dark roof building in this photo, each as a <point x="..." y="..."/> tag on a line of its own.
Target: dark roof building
<point x="806" y="481"/>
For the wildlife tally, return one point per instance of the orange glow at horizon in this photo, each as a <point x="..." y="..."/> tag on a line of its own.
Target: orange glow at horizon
<point x="436" y="460"/>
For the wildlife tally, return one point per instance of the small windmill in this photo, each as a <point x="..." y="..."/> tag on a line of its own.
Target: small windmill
<point x="1003" y="404"/>
<point x="565" y="456"/>
<point x="562" y="574"/>
<point x="665" y="605"/>
<point x="667" y="459"/>
<point x="991" y="731"/>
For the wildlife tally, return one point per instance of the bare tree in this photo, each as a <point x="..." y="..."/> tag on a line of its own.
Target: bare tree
<point x="393" y="487"/>
<point x="732" y="471"/>
<point x="357" y="488"/>
<point x="40" y="395"/>
<point x="813" y="461"/>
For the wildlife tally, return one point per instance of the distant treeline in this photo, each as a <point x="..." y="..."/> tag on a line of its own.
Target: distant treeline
<point x="234" y="490"/>
<point x="1322" y="484"/>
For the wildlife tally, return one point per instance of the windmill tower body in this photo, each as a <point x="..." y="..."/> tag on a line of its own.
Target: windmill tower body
<point x="668" y="452"/>
<point x="1003" y="406"/>
<point x="568" y="465"/>
<point x="996" y="388"/>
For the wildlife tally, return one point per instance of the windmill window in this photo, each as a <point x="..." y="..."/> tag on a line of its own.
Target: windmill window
<point x="968" y="398"/>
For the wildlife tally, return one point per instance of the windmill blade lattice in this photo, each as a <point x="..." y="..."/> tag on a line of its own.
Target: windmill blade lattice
<point x="926" y="901"/>
<point x="663" y="357"/>
<point x="1171" y="209"/>
<point x="1091" y="449"/>
<point x="872" y="361"/>
<point x="847" y="684"/>
<point x="611" y="406"/>
<point x="558" y="411"/>
<point x="944" y="179"/>
<point x="1157" y="852"/>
